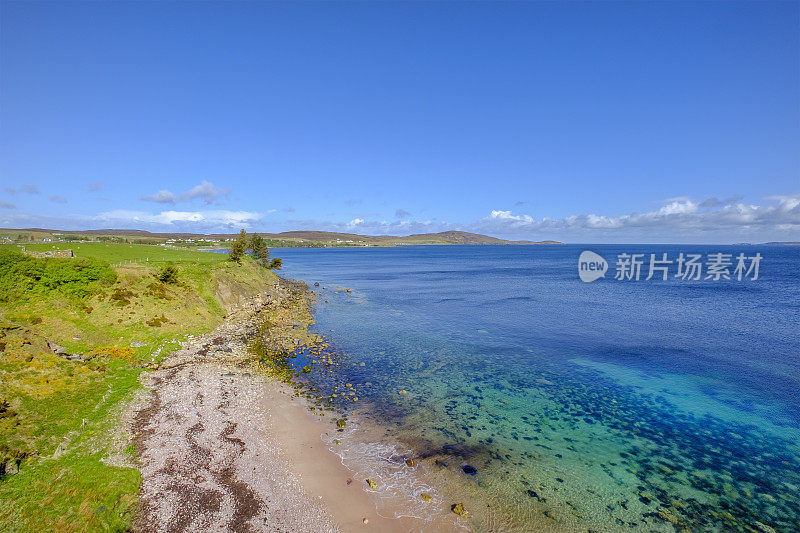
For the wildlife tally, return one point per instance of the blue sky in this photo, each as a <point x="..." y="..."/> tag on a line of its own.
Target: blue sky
<point x="585" y="122"/>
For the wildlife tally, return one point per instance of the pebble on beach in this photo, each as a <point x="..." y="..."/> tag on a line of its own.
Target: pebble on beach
<point x="460" y="510"/>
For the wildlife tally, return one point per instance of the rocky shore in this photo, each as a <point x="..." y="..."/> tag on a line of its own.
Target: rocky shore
<point x="205" y="457"/>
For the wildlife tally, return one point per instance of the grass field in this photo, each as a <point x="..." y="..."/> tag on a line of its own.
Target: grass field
<point x="59" y="419"/>
<point x="118" y="253"/>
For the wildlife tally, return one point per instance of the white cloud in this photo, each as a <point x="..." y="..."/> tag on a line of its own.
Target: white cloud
<point x="58" y="199"/>
<point x="7" y="205"/>
<point x="398" y="227"/>
<point x="206" y="191"/>
<point x="786" y="202"/>
<point x="595" y="221"/>
<point x="194" y="219"/>
<point x="513" y="219"/>
<point x="161" y="197"/>
<point x="714" y="201"/>
<point x="678" y="207"/>
<point x="679" y="216"/>
<point x="27" y="189"/>
<point x="676" y="220"/>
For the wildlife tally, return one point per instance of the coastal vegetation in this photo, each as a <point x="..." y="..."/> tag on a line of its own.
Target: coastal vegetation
<point x="256" y="247"/>
<point x="75" y="335"/>
<point x="168" y="274"/>
<point x="23" y="277"/>
<point x="239" y="247"/>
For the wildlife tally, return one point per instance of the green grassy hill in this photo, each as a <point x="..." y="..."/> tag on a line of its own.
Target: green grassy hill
<point x="63" y="466"/>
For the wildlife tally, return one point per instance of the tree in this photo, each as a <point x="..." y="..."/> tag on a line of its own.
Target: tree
<point x="239" y="247"/>
<point x="276" y="263"/>
<point x="258" y="249"/>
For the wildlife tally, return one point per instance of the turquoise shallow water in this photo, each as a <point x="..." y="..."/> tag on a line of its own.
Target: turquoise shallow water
<point x="547" y="401"/>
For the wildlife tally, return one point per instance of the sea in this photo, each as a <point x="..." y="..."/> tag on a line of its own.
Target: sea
<point x="542" y="402"/>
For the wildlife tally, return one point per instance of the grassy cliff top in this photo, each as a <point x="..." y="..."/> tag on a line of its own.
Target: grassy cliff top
<point x="117" y="253"/>
<point x="59" y="412"/>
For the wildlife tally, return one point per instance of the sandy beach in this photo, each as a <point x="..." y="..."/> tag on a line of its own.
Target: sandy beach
<point x="224" y="447"/>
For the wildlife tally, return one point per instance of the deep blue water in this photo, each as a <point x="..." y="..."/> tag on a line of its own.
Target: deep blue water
<point x="678" y="398"/>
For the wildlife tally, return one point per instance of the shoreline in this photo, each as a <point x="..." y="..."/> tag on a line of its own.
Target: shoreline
<point x="223" y="445"/>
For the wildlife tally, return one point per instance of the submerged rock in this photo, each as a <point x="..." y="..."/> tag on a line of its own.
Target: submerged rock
<point x="469" y="470"/>
<point x="668" y="516"/>
<point x="341" y="423"/>
<point x="533" y="494"/>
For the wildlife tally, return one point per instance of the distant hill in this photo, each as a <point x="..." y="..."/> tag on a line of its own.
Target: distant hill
<point x="784" y="243"/>
<point x="293" y="238"/>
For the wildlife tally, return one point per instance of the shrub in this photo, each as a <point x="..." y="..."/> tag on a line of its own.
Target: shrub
<point x="157" y="322"/>
<point x="125" y="353"/>
<point x="21" y="275"/>
<point x="276" y="263"/>
<point x="158" y="290"/>
<point x="121" y="297"/>
<point x="168" y="274"/>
